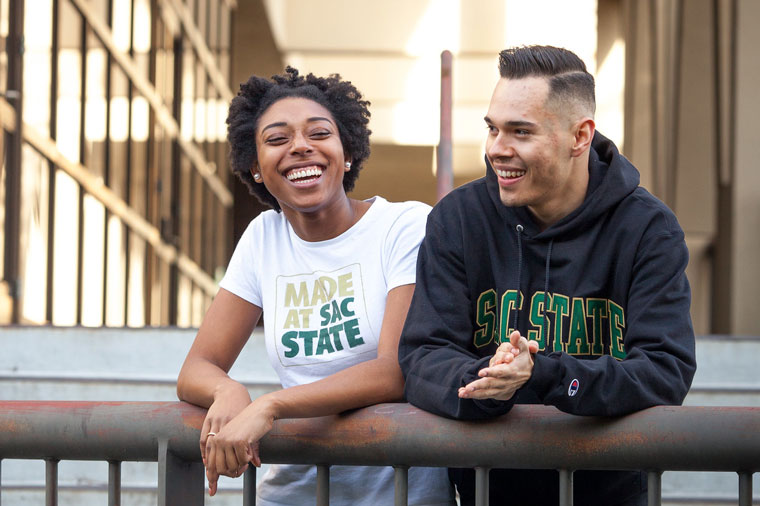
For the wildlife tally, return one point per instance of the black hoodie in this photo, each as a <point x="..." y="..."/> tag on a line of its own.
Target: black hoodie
<point x="617" y="337"/>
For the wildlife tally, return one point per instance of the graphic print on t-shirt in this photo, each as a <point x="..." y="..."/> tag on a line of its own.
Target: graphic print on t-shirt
<point x="321" y="317"/>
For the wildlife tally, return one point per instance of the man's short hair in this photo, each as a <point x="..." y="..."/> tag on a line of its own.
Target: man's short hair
<point x="569" y="81"/>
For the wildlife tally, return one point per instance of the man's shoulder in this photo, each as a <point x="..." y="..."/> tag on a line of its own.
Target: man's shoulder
<point x="464" y="196"/>
<point x="646" y="209"/>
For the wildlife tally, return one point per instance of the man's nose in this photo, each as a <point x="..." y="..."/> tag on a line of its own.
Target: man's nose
<point x="500" y="147"/>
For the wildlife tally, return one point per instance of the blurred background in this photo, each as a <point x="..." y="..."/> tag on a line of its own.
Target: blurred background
<point x="118" y="208"/>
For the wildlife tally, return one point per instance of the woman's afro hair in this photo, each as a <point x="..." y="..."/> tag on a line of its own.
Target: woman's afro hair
<point x="341" y="98"/>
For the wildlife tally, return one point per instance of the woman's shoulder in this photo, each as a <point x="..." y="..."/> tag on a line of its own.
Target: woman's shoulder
<point x="406" y="207"/>
<point x="266" y="224"/>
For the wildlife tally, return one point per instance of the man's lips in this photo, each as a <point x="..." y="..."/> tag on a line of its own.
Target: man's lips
<point x="509" y="173"/>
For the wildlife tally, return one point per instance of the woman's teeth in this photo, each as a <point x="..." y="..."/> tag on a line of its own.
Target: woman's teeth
<point x="304" y="172"/>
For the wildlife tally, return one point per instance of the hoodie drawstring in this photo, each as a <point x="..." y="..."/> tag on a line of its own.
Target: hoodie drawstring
<point x="546" y="282"/>
<point x="519" y="229"/>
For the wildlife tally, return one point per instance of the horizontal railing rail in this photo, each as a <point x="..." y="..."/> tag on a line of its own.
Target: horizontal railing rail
<point x="533" y="437"/>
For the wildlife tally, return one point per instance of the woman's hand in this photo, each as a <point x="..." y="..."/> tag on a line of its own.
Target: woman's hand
<point x="236" y="443"/>
<point x="229" y="401"/>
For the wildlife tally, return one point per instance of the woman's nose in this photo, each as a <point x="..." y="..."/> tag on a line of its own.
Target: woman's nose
<point x="301" y="144"/>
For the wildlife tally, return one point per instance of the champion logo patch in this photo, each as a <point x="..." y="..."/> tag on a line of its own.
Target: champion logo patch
<point x="573" y="389"/>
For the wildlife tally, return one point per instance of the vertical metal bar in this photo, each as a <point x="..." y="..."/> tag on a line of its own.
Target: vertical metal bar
<point x="745" y="489"/>
<point x="654" y="488"/>
<point x="656" y="130"/>
<point x="83" y="161"/>
<point x="107" y="165"/>
<point x="152" y="154"/>
<point x="54" y="50"/>
<point x="673" y="107"/>
<point x="14" y="92"/>
<point x="172" y="234"/>
<point x="128" y="166"/>
<point x="1" y="467"/>
<point x="724" y="111"/>
<point x="323" y="485"/>
<point x="565" y="487"/>
<point x="401" y="485"/>
<point x="631" y="25"/>
<point x="481" y="486"/>
<point x="114" y="483"/>
<point x="180" y="482"/>
<point x="249" y="486"/>
<point x="444" y="176"/>
<point x="51" y="482"/>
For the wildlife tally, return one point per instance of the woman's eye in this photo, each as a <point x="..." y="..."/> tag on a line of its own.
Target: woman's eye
<point x="276" y="140"/>
<point x="320" y="134"/>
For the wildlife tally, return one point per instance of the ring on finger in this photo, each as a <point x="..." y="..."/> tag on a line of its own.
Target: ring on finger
<point x="211" y="434"/>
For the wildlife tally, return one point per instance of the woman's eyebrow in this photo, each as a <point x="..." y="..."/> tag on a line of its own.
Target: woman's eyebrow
<point x="273" y="125"/>
<point x="310" y="120"/>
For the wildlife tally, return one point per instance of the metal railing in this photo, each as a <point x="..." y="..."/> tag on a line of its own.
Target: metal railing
<point x="533" y="437"/>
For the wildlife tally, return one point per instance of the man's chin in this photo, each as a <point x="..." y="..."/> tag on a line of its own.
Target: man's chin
<point x="509" y="199"/>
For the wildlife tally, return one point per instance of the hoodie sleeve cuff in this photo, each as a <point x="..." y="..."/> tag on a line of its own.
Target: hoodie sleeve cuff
<point x="494" y="407"/>
<point x="490" y="407"/>
<point x="545" y="375"/>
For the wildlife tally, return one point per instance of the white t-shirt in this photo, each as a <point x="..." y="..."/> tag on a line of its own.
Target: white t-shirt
<point x="323" y="305"/>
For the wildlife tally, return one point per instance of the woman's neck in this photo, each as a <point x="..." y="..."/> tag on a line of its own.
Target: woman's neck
<point x="327" y="223"/>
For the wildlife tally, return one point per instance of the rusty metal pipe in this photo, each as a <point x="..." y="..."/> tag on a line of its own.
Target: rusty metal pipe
<point x="538" y="437"/>
<point x="444" y="152"/>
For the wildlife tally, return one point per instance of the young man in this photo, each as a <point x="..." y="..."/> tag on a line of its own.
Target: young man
<point x="555" y="279"/>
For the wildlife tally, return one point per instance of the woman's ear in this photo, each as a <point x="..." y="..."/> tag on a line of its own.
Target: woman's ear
<point x="256" y="174"/>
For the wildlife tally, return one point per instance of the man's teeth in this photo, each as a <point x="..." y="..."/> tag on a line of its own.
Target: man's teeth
<point x="304" y="172"/>
<point x="510" y="173"/>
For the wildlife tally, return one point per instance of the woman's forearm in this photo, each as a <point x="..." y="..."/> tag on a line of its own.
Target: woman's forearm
<point x="201" y="382"/>
<point x="371" y="382"/>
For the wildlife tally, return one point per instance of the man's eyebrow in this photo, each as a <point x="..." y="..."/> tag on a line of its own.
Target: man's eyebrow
<point x="513" y="123"/>
<point x="310" y="120"/>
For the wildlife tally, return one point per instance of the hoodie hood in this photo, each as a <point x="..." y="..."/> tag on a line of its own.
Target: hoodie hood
<point x="611" y="179"/>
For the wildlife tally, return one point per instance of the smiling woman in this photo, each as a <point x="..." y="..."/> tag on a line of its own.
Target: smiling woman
<point x="334" y="276"/>
<point x="302" y="164"/>
<point x="341" y="104"/>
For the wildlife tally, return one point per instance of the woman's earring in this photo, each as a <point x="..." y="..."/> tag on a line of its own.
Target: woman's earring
<point x="348" y="165"/>
<point x="257" y="177"/>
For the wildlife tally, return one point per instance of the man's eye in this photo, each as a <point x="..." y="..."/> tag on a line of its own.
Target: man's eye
<point x="491" y="129"/>
<point x="521" y="132"/>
